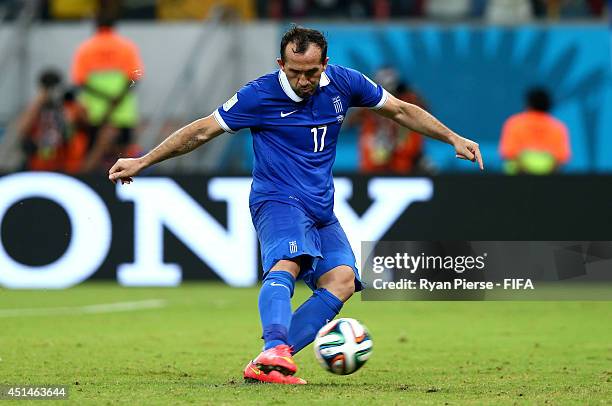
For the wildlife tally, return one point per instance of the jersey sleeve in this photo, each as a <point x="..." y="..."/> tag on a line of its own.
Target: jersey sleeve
<point x="364" y="92"/>
<point x="240" y="111"/>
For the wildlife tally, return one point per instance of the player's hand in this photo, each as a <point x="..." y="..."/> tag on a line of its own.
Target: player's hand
<point x="125" y="169"/>
<point x="469" y="150"/>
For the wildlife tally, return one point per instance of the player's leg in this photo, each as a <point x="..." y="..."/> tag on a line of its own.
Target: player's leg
<point x="334" y="288"/>
<point x="339" y="281"/>
<point x="275" y="301"/>
<point x="288" y="240"/>
<point x="275" y="364"/>
<point x="334" y="280"/>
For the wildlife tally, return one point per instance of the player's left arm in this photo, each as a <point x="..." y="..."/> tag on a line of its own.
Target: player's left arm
<point x="417" y="119"/>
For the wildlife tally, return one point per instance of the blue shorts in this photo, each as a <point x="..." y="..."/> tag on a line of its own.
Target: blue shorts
<point x="287" y="232"/>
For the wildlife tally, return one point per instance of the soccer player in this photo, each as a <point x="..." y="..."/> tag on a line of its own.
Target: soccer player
<point x="295" y="115"/>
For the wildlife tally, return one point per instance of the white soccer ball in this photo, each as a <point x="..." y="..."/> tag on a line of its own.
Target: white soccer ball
<point x="342" y="346"/>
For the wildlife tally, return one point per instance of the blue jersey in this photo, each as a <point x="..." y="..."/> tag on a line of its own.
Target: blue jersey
<point x="294" y="139"/>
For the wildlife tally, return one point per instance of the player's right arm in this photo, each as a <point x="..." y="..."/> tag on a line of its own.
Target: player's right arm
<point x="240" y="111"/>
<point x="178" y="143"/>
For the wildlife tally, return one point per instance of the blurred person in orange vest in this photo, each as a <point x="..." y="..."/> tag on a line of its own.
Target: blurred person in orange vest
<point x="534" y="142"/>
<point x="384" y="146"/>
<point x="106" y="67"/>
<point x="52" y="128"/>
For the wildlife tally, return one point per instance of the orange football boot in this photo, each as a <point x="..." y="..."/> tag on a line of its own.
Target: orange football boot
<point x="277" y="358"/>
<point x="253" y="374"/>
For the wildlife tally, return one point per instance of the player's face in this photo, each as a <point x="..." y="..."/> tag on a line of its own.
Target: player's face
<point x="303" y="70"/>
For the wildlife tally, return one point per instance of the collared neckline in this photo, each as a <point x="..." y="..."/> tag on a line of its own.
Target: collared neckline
<point x="284" y="82"/>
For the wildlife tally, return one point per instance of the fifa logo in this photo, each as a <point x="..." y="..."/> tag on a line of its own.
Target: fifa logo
<point x="337" y="104"/>
<point x="293" y="247"/>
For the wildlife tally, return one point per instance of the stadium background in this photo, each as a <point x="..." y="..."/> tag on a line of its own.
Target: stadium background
<point x="472" y="69"/>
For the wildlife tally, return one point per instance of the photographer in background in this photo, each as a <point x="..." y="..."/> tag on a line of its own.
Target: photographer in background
<point x="384" y="146"/>
<point x="534" y="142"/>
<point x="50" y="128"/>
<point x="106" y="67"/>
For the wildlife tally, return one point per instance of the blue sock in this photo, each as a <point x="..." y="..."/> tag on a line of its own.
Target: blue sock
<point x="313" y="314"/>
<point x="275" y="307"/>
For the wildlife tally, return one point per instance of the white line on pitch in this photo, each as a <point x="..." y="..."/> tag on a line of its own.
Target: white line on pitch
<point x="90" y="309"/>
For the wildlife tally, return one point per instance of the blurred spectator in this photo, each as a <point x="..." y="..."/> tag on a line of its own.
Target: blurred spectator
<point x="327" y="8"/>
<point x="534" y="142"/>
<point x="508" y="11"/>
<point x="385" y="147"/>
<point x="555" y="9"/>
<point x="70" y="9"/>
<point x="106" y="66"/>
<point x="279" y="9"/>
<point x="52" y="128"/>
<point x="581" y="8"/>
<point x="497" y="11"/>
<point x="575" y="9"/>
<point x="201" y="9"/>
<point x="448" y="9"/>
<point x="407" y="8"/>
<point x="479" y="8"/>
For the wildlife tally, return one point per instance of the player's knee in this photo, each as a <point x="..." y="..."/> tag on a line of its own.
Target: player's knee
<point x="288" y="265"/>
<point x="340" y="281"/>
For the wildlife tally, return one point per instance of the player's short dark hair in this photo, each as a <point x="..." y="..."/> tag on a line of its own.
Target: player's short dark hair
<point x="539" y="99"/>
<point x="301" y="37"/>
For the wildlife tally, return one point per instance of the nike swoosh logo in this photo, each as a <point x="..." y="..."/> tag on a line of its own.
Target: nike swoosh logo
<point x="280" y="284"/>
<point x="283" y="115"/>
<point x="257" y="371"/>
<point x="289" y="360"/>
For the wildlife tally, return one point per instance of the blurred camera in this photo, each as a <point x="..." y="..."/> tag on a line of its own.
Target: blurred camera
<point x="50" y="79"/>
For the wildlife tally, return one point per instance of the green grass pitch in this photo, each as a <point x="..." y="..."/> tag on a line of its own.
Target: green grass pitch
<point x="192" y="349"/>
